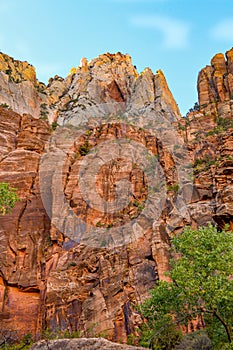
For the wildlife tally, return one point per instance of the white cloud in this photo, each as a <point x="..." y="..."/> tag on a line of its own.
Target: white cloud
<point x="223" y="30"/>
<point x="174" y="32"/>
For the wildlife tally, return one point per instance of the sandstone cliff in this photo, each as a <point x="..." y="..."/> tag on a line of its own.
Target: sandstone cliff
<point x="51" y="277"/>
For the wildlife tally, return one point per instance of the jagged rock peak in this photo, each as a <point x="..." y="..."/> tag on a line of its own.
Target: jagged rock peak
<point x="109" y="78"/>
<point x="112" y="78"/>
<point x="215" y="81"/>
<point x="17" y="70"/>
<point x="109" y="57"/>
<point x="20" y="89"/>
<point x="165" y="93"/>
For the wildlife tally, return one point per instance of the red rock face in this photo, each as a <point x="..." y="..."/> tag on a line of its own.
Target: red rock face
<point x="49" y="279"/>
<point x="20" y="309"/>
<point x="23" y="232"/>
<point x="215" y="85"/>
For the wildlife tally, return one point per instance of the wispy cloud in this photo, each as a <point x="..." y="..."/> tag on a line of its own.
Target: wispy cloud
<point x="174" y="32"/>
<point x="223" y="30"/>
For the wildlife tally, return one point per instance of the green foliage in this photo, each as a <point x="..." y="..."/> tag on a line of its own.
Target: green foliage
<point x="8" y="198"/>
<point x="8" y="71"/>
<point x="109" y="226"/>
<point x="89" y="132"/>
<point x="99" y="224"/>
<point x="226" y="346"/>
<point x="4" y="105"/>
<point x="176" y="147"/>
<point x="174" y="188"/>
<point x="44" y="111"/>
<point x="40" y="88"/>
<point x="203" y="164"/>
<point x="198" y="340"/>
<point x="24" y="344"/>
<point x="163" y="335"/>
<point x="181" y="127"/>
<point x="201" y="286"/>
<point x="85" y="148"/>
<point x="137" y="204"/>
<point x="54" y="125"/>
<point x="132" y="339"/>
<point x="196" y="107"/>
<point x="223" y="124"/>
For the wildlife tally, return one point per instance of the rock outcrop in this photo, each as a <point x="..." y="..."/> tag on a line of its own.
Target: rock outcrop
<point x="215" y="85"/>
<point x="19" y="88"/>
<point x="82" y="344"/>
<point x="209" y="132"/>
<point x="74" y="259"/>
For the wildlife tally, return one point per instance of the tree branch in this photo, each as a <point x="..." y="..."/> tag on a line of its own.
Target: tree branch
<point x="225" y="325"/>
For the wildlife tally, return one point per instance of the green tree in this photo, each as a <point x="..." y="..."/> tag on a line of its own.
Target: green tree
<point x="8" y="198"/>
<point x="201" y="286"/>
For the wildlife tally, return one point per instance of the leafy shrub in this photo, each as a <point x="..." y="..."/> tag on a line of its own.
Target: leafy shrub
<point x="84" y="149"/>
<point x="174" y="188"/>
<point x="5" y="105"/>
<point x="54" y="125"/>
<point x="8" y="198"/>
<point x="198" y="340"/>
<point x="44" y="111"/>
<point x="200" y="286"/>
<point x="203" y="164"/>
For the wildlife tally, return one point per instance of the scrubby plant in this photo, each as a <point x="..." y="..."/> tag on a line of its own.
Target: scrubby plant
<point x="8" y="198"/>
<point x="5" y="105"/>
<point x="174" y="188"/>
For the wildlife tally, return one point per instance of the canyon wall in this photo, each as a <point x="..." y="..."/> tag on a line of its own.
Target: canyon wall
<point x="78" y="259"/>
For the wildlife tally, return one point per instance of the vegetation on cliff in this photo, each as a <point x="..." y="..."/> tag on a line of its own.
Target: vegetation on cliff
<point x="200" y="294"/>
<point x="8" y="198"/>
<point x="53" y="287"/>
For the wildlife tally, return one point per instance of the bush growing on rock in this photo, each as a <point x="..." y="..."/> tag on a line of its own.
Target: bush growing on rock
<point x="8" y="198"/>
<point x="200" y="291"/>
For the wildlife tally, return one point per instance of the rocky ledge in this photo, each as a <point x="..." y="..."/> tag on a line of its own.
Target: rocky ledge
<point x="82" y="344"/>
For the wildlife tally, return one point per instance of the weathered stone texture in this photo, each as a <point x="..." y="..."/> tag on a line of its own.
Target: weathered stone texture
<point x="49" y="280"/>
<point x="83" y="344"/>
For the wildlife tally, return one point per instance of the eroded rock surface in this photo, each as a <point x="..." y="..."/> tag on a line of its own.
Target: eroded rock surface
<point x="215" y="84"/>
<point x="50" y="277"/>
<point x="83" y="344"/>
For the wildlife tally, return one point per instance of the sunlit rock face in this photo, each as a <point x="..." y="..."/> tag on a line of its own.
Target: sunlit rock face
<point x="103" y="192"/>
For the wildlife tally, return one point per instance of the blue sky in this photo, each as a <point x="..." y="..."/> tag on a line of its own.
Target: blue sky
<point x="177" y="36"/>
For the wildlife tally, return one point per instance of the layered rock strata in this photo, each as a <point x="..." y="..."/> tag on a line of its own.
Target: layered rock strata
<point x="51" y="278"/>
